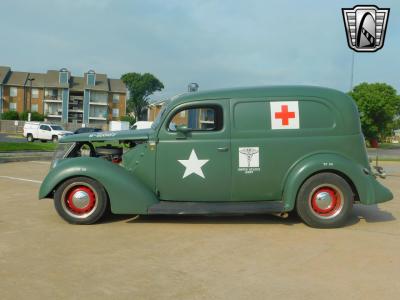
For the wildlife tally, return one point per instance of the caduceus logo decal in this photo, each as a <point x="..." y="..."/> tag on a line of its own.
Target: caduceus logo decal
<point x="249" y="152"/>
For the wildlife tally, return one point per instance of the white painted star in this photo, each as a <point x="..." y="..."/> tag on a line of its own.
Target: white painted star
<point x="193" y="165"/>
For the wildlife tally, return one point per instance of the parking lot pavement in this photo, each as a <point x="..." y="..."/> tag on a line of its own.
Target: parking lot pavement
<point x="12" y="138"/>
<point x="175" y="257"/>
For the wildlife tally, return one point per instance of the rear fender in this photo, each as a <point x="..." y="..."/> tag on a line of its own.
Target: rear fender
<point x="327" y="162"/>
<point x="127" y="194"/>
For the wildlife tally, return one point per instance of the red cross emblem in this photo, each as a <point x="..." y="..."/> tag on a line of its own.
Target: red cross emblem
<point x="285" y="115"/>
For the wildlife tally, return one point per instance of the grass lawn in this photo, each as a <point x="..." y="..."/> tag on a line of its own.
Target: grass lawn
<point x="389" y="146"/>
<point x="4" y="146"/>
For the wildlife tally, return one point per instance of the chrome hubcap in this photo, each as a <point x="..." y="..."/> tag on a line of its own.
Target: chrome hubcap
<point x="326" y="201"/>
<point x="323" y="200"/>
<point x="80" y="199"/>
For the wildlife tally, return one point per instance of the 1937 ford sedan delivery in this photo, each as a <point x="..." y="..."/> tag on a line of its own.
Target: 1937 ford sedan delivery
<point x="233" y="151"/>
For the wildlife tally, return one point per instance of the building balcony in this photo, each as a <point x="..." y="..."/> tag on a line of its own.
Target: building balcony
<point x="99" y="103"/>
<point x="98" y="118"/>
<point x="76" y="98"/>
<point x="76" y="110"/>
<point x="55" y="100"/>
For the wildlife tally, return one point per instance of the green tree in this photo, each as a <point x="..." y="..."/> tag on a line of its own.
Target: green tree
<point x="378" y="104"/>
<point x="140" y="87"/>
<point x="129" y="119"/>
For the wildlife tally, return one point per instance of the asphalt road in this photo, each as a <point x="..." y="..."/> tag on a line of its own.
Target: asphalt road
<point x="251" y="257"/>
<point x="11" y="138"/>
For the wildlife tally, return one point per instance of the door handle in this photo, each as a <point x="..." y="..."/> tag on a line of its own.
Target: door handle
<point x="222" y="149"/>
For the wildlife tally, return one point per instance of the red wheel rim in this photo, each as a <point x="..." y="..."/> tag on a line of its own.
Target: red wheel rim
<point x="326" y="201"/>
<point x="80" y="199"/>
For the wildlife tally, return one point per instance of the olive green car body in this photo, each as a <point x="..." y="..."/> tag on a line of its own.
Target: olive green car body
<point x="329" y="139"/>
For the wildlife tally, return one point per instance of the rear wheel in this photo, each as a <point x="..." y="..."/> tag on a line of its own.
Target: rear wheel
<point x="29" y="138"/>
<point x="325" y="200"/>
<point x="80" y="200"/>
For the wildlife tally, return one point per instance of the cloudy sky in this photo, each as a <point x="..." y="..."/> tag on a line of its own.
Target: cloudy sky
<point x="214" y="43"/>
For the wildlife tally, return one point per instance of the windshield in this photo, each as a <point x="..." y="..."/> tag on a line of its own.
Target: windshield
<point x="159" y="117"/>
<point x="56" y="127"/>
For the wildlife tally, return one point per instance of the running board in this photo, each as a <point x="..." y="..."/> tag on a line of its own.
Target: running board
<point x="215" y="208"/>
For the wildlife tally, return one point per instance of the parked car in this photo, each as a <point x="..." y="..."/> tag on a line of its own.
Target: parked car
<point x="235" y="151"/>
<point x="87" y="129"/>
<point x="142" y="125"/>
<point x="44" y="132"/>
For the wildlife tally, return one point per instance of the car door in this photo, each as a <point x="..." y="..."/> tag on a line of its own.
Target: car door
<point x="195" y="165"/>
<point x="44" y="132"/>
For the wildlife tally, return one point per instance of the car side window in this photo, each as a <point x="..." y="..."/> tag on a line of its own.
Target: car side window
<point x="44" y="127"/>
<point x="204" y="118"/>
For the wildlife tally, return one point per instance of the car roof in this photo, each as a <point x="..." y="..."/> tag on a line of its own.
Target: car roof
<point x="261" y="91"/>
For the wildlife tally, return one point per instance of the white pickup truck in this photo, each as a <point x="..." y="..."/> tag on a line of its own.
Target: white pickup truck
<point x="44" y="132"/>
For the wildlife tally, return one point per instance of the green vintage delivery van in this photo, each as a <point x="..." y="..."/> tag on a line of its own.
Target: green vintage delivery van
<point x="233" y="151"/>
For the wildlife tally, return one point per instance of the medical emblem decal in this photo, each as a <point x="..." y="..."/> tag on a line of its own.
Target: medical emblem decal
<point x="285" y="115"/>
<point x="193" y="165"/>
<point x="249" y="159"/>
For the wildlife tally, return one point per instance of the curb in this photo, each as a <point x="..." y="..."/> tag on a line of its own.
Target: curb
<point x="25" y="156"/>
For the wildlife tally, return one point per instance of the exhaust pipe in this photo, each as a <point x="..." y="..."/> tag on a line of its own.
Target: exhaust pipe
<point x="282" y="215"/>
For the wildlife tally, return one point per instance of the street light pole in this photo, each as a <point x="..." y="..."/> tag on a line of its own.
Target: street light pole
<point x="352" y="71"/>
<point x="30" y="94"/>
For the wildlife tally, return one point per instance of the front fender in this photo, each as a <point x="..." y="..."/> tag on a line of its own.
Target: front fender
<point x="127" y="194"/>
<point x="369" y="190"/>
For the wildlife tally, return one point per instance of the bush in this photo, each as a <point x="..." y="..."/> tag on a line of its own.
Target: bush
<point x="10" y="115"/>
<point x="35" y="116"/>
<point x="23" y="116"/>
<point x="130" y="119"/>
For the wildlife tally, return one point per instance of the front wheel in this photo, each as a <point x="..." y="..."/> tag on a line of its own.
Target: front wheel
<point x="325" y="200"/>
<point x="29" y="138"/>
<point x="80" y="200"/>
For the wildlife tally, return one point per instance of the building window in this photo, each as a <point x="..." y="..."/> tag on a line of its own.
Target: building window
<point x="53" y="109"/>
<point x="98" y="112"/>
<point x="91" y="78"/>
<point x="13" y="106"/>
<point x="52" y="94"/>
<point x="63" y="76"/>
<point x="13" y="92"/>
<point x="115" y="112"/>
<point x="34" y="108"/>
<point x="115" y="98"/>
<point x="98" y="97"/>
<point x="35" y="93"/>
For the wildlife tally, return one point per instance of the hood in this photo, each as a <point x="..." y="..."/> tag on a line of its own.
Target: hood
<point x="125" y="135"/>
<point x="62" y="132"/>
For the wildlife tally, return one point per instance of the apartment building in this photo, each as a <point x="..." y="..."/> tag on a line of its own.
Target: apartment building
<point x="90" y="99"/>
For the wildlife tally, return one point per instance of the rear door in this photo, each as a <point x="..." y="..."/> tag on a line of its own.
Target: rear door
<point x="195" y="166"/>
<point x="251" y="165"/>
